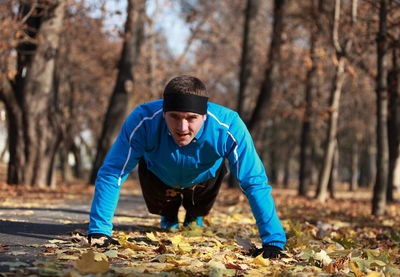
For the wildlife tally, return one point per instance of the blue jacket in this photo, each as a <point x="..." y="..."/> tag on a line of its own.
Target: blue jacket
<point x="223" y="135"/>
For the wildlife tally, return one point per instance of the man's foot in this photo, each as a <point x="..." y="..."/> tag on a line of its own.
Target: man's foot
<point x="189" y="218"/>
<point x="169" y="223"/>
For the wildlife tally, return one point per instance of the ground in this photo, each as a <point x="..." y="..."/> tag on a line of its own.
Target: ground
<point x="42" y="233"/>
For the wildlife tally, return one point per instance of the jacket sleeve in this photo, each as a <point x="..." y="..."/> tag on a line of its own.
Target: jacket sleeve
<point x="120" y="161"/>
<point x="248" y="169"/>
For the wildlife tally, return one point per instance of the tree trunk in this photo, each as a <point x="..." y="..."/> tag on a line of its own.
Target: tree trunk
<point x="271" y="69"/>
<point x="78" y="167"/>
<point x="334" y="100"/>
<point x="305" y="173"/>
<point x="368" y="166"/>
<point x="4" y="151"/>
<point x="40" y="130"/>
<point x="29" y="101"/>
<point x="334" y="173"/>
<point x="16" y="146"/>
<point x="393" y="122"/>
<point x="246" y="66"/>
<point x="247" y="58"/>
<point x="152" y="56"/>
<point x="123" y="90"/>
<point x="382" y="161"/>
<point x="354" y="166"/>
<point x="287" y="160"/>
<point x="332" y="130"/>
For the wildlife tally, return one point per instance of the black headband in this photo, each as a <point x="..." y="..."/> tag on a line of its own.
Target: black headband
<point x="184" y="102"/>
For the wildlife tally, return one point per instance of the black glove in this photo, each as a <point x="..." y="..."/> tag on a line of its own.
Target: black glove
<point x="268" y="251"/>
<point x="101" y="240"/>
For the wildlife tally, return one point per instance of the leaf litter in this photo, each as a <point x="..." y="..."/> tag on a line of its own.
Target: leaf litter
<point x="337" y="238"/>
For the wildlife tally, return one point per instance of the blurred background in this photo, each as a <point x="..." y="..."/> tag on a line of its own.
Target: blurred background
<point x="316" y="82"/>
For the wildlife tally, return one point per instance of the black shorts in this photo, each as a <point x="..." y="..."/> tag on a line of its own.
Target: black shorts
<point x="164" y="200"/>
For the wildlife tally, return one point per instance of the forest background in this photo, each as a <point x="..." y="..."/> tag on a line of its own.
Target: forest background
<point x="316" y="82"/>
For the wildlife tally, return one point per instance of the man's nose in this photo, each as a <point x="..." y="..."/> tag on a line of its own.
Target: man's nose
<point x="182" y="125"/>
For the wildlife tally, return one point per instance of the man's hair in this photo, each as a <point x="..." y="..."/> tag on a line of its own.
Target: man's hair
<point x="186" y="84"/>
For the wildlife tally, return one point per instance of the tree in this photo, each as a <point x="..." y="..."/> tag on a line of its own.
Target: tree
<point x="272" y="67"/>
<point x="124" y="85"/>
<point x="305" y="173"/>
<point x="341" y="52"/>
<point x="248" y="56"/>
<point x="382" y="161"/>
<point x="393" y="122"/>
<point x="32" y="113"/>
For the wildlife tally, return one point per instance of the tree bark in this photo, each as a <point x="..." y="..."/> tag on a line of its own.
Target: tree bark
<point x="354" y="166"/>
<point x="28" y="98"/>
<point x="41" y="136"/>
<point x="246" y="65"/>
<point x="368" y="166"/>
<point x="271" y="69"/>
<point x="334" y="173"/>
<point x="152" y="56"/>
<point x="334" y="100"/>
<point x="393" y="122"/>
<point x="332" y="130"/>
<point x="16" y="146"/>
<point x="247" y="58"/>
<point x="382" y="161"/>
<point x="123" y="90"/>
<point x="305" y="173"/>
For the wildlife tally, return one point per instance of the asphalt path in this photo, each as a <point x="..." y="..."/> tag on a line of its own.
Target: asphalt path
<point x="25" y="231"/>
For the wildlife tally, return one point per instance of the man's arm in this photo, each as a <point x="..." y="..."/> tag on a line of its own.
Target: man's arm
<point x="248" y="169"/>
<point x="120" y="161"/>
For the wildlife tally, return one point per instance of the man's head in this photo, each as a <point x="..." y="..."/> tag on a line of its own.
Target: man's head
<point x="185" y="107"/>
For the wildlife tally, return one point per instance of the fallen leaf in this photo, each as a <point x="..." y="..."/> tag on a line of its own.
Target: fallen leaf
<point x="151" y="236"/>
<point x="260" y="261"/>
<point x="245" y="243"/>
<point x="88" y="264"/>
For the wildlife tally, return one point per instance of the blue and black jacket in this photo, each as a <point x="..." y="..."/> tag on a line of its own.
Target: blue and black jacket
<point x="223" y="135"/>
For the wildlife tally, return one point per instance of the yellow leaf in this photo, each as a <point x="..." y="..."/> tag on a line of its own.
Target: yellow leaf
<point x="111" y="253"/>
<point x="88" y="264"/>
<point x="151" y="236"/>
<point x="67" y="257"/>
<point x="176" y="239"/>
<point x="194" y="231"/>
<point x="128" y="252"/>
<point x="355" y="270"/>
<point x="260" y="261"/>
<point x="100" y="257"/>
<point x="374" y="274"/>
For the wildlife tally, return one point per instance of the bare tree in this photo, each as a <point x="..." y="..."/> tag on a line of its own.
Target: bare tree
<point x="305" y="173"/>
<point x="382" y="162"/>
<point x="123" y="90"/>
<point x="341" y="52"/>
<point x="248" y="56"/>
<point x="393" y="121"/>
<point x="272" y="66"/>
<point x="32" y="112"/>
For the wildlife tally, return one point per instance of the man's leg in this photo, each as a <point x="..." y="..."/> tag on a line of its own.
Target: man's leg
<point x="199" y="200"/>
<point x="160" y="198"/>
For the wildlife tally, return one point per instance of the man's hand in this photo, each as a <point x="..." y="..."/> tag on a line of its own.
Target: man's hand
<point x="101" y="240"/>
<point x="268" y="251"/>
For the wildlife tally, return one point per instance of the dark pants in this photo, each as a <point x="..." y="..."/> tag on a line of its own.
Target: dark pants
<point x="164" y="200"/>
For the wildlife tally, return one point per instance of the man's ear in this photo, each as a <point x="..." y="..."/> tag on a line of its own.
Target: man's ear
<point x="204" y="117"/>
<point x="163" y="114"/>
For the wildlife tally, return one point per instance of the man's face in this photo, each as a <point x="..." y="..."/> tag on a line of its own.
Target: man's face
<point x="184" y="126"/>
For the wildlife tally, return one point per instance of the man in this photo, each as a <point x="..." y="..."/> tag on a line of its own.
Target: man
<point x="180" y="143"/>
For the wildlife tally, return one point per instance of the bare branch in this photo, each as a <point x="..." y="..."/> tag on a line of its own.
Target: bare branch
<point x="335" y="35"/>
